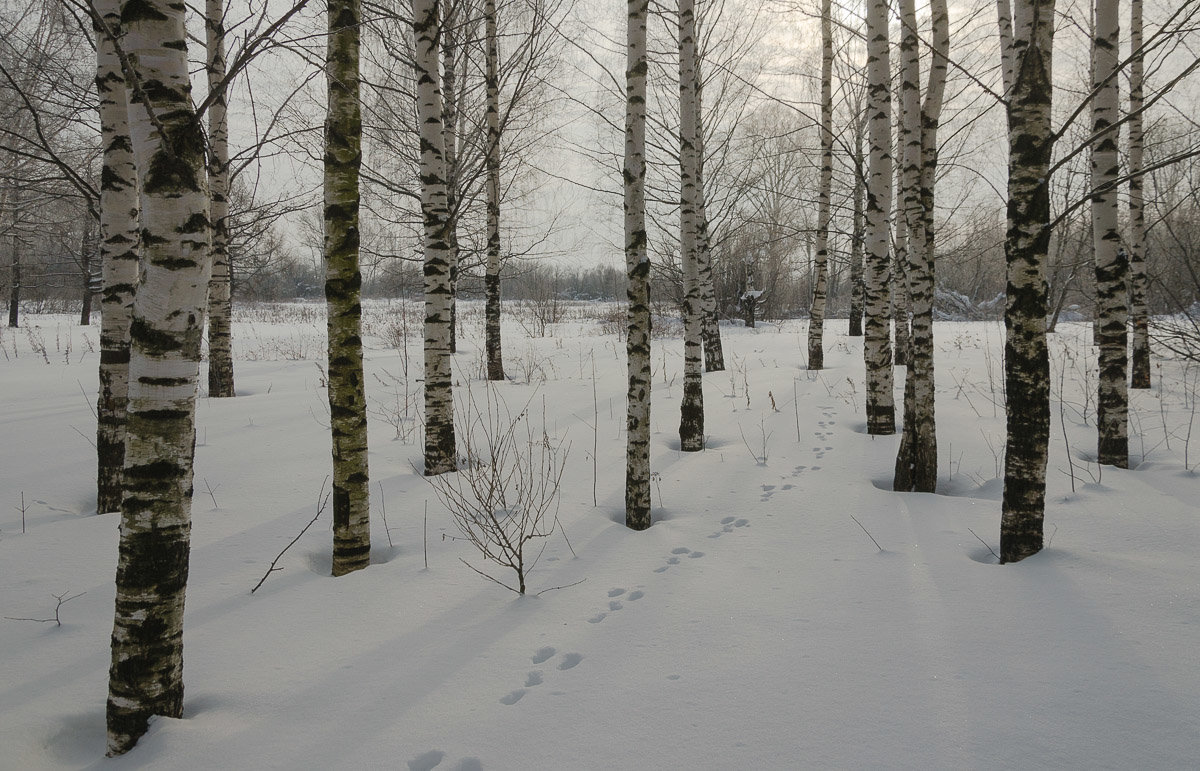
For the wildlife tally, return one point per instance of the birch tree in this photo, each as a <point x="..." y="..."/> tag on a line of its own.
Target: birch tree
<point x="1026" y="358"/>
<point x="691" y="420"/>
<point x="1140" y="363"/>
<point x="816" y="324"/>
<point x="220" y="309"/>
<point x="1112" y="403"/>
<point x="440" y="454"/>
<point x="637" y="264"/>
<point x="492" y="338"/>
<point x="146" y="677"/>
<point x="343" y="282"/>
<point x="118" y="256"/>
<point x="916" y="459"/>
<point x="877" y="350"/>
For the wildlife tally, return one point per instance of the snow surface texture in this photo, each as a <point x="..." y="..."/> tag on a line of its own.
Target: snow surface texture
<point x="755" y="625"/>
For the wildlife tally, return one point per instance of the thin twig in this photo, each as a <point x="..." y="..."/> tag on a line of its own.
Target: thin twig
<point x="985" y="543"/>
<point x="867" y="532"/>
<point x="320" y="510"/>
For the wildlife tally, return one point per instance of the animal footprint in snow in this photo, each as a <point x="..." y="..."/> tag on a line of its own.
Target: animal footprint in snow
<point x="533" y="678"/>
<point x="596" y="619"/>
<point x="543" y="654"/>
<point x="680" y="550"/>
<point x="615" y="605"/>
<point x="514" y="697"/>
<point x="570" y="660"/>
<point x="616" y="592"/>
<point x="696" y="554"/>
<point x="636" y="595"/>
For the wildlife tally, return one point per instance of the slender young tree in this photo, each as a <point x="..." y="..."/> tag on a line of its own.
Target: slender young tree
<point x="343" y="283"/>
<point x="1112" y="404"/>
<point x="637" y="264"/>
<point x="119" y="226"/>
<point x="877" y="349"/>
<point x="440" y="454"/>
<point x="146" y="677"/>
<point x="1026" y="358"/>
<point x="691" y="419"/>
<point x="857" y="230"/>
<point x="495" y="356"/>
<point x="1140" y="362"/>
<point x="916" y="459"/>
<point x="816" y="324"/>
<point x="450" y="91"/>
<point x="220" y="308"/>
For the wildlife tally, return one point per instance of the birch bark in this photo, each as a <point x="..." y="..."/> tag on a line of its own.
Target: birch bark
<point x="691" y="419"/>
<point x="1112" y="404"/>
<point x="816" y="324"/>
<point x="495" y="356"/>
<point x="146" y="676"/>
<point x="440" y="454"/>
<point x="1026" y="359"/>
<point x="637" y="262"/>
<point x="343" y="284"/>
<point x="1140" y="364"/>
<point x="119" y="237"/>
<point x="220" y="298"/>
<point x="877" y="349"/>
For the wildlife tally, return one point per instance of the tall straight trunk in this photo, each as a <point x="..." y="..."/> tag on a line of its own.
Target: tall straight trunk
<point x="1026" y="359"/>
<point x="877" y="348"/>
<point x="816" y="324"/>
<point x="14" y="285"/>
<point x="1112" y="404"/>
<point x="1140" y="363"/>
<point x="637" y="264"/>
<point x="146" y="677"/>
<point x="449" y="40"/>
<point x="710" y="330"/>
<point x="908" y="134"/>
<point x="220" y="303"/>
<point x="440" y="455"/>
<point x="900" y="292"/>
<point x="691" y="410"/>
<point x="857" y="236"/>
<point x="916" y="459"/>
<point x="495" y="357"/>
<point x="87" y="257"/>
<point x="1004" y="22"/>
<point x="343" y="284"/>
<point x="119" y="255"/>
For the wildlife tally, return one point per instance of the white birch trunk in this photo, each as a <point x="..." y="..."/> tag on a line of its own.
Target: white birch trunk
<point x="637" y="263"/>
<point x="1140" y="363"/>
<point x="220" y="298"/>
<point x="119" y="237"/>
<point x="877" y="349"/>
<point x="440" y="454"/>
<point x="1026" y="358"/>
<point x="146" y="677"/>
<point x="816" y="324"/>
<point x="1112" y="404"/>
<point x="495" y="356"/>
<point x="691" y="419"/>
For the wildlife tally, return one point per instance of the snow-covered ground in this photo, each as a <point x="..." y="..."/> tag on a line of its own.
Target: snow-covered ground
<point x="755" y="625"/>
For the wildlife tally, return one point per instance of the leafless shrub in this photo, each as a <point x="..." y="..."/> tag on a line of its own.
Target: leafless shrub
<point x="505" y="496"/>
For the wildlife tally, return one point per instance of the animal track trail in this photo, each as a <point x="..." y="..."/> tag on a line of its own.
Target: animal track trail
<point x="615" y="604"/>
<point x="536" y="677"/>
<point x="729" y="523"/>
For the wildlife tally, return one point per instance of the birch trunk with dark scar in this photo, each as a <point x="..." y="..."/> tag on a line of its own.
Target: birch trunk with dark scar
<point x="167" y="324"/>
<point x="343" y="285"/>
<point x="1112" y="404"/>
<point x="916" y="459"/>
<point x="1004" y="22"/>
<point x="495" y="357"/>
<point x="220" y="297"/>
<point x="816" y="324"/>
<point x="877" y="349"/>
<point x="691" y="410"/>
<point x="637" y="263"/>
<point x="119" y="254"/>
<point x="1140" y="363"/>
<point x="440" y="454"/>
<point x="899" y="289"/>
<point x="1026" y="359"/>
